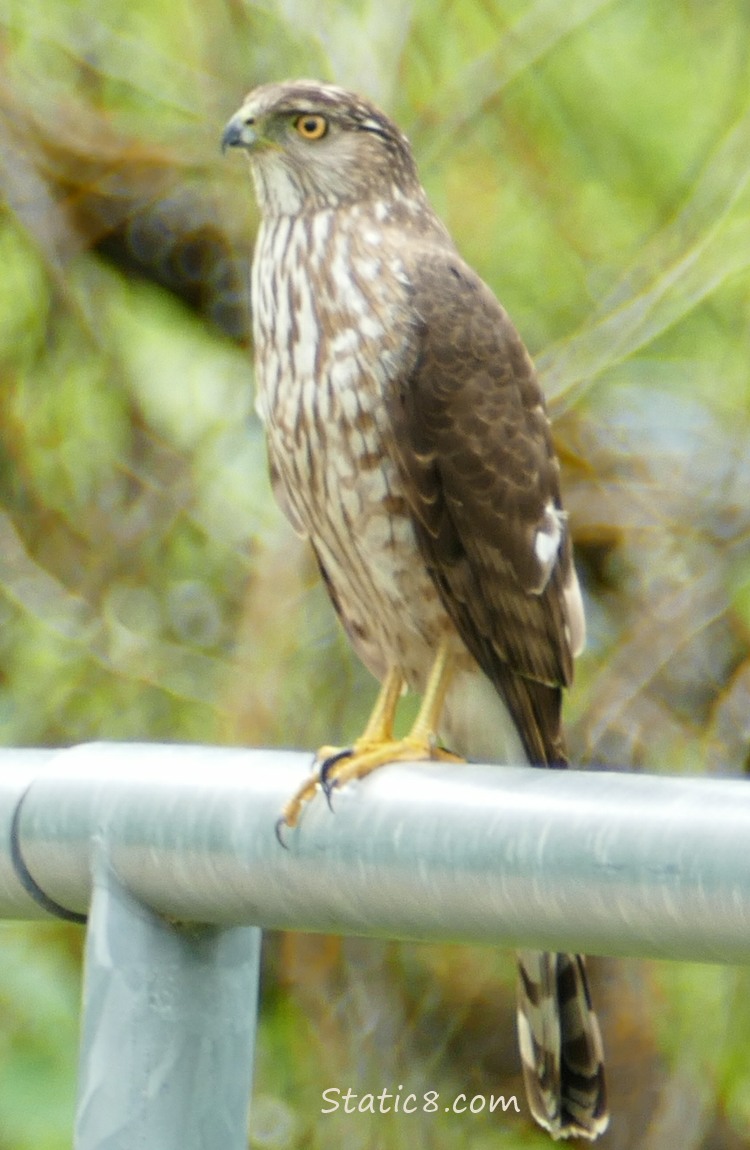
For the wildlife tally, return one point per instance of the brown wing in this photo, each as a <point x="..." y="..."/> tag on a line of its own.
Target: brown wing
<point x="473" y="445"/>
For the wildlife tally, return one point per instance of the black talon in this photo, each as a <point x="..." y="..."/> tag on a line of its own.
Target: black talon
<point x="328" y="785"/>
<point x="328" y="764"/>
<point x="281" y="823"/>
<point x="328" y="788"/>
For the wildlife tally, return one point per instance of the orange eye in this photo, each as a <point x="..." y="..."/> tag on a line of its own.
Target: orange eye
<point x="311" y="127"/>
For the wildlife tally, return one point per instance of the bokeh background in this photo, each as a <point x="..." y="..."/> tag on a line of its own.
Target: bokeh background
<point x="592" y="159"/>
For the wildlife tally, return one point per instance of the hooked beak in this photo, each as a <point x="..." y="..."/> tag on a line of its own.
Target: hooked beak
<point x="239" y="133"/>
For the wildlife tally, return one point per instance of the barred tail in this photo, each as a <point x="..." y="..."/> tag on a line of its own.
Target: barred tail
<point x="561" y="1047"/>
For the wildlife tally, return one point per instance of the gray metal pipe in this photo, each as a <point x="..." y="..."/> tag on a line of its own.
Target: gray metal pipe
<point x="168" y="1030"/>
<point x="600" y="862"/>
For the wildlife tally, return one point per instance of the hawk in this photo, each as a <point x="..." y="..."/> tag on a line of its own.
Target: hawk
<point x="408" y="440"/>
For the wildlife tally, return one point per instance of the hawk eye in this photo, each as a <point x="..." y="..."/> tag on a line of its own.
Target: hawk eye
<point x="311" y="127"/>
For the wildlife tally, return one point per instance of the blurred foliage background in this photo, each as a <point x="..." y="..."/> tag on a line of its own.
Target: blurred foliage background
<point x="592" y="159"/>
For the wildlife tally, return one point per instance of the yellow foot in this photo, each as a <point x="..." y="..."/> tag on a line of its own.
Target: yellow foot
<point x="377" y="745"/>
<point x="337" y="766"/>
<point x="345" y="766"/>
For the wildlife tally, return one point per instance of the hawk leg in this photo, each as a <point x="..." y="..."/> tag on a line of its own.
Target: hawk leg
<point x="377" y="745"/>
<point x="379" y="729"/>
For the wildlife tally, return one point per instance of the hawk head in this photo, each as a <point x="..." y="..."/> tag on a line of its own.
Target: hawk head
<point x="314" y="145"/>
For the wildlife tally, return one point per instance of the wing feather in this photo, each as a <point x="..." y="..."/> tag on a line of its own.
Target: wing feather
<point x="474" y="449"/>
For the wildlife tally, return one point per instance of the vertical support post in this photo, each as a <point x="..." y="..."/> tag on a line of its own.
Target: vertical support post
<point x="169" y="1020"/>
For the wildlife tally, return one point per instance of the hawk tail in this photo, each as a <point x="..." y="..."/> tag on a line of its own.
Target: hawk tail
<point x="561" y="1047"/>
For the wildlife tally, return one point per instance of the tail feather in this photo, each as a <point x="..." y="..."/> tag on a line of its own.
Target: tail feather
<point x="561" y="1047"/>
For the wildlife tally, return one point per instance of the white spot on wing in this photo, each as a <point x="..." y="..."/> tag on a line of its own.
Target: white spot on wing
<point x="548" y="537"/>
<point x="546" y="546"/>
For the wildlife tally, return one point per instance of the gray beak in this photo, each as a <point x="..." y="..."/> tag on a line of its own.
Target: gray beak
<point x="238" y="133"/>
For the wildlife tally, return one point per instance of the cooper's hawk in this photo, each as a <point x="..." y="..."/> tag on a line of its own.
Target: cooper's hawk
<point x="408" y="440"/>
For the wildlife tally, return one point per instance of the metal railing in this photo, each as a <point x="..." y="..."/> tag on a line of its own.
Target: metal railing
<point x="172" y="853"/>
